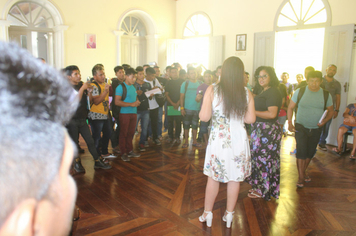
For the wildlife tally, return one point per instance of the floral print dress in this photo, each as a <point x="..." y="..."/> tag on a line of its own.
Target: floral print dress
<point x="227" y="155"/>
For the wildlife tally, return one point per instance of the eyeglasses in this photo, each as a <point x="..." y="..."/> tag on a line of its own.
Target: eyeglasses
<point x="262" y="77"/>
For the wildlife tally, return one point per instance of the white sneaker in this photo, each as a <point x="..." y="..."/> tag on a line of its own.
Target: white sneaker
<point x="109" y="155"/>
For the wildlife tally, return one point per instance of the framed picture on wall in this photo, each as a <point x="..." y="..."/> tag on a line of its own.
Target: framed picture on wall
<point x="90" y="41"/>
<point x="241" y="42"/>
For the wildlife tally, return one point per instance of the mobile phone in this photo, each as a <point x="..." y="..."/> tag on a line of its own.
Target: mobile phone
<point x="106" y="80"/>
<point x="200" y="92"/>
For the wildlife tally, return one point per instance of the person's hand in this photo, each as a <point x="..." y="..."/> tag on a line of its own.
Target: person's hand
<point x="86" y="85"/>
<point x="107" y="87"/>
<point x="136" y="103"/>
<point x="139" y="92"/>
<point x="151" y="96"/>
<point x="199" y="97"/>
<point x="176" y="106"/>
<point x="335" y="114"/>
<point x="182" y="111"/>
<point x="291" y="127"/>
<point x="321" y="124"/>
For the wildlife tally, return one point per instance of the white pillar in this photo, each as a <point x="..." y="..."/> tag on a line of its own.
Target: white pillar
<point x="152" y="48"/>
<point x="4" y="30"/>
<point x="118" y="34"/>
<point x="59" y="45"/>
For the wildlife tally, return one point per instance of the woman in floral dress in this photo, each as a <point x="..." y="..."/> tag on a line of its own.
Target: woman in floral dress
<point x="266" y="136"/>
<point x="229" y="105"/>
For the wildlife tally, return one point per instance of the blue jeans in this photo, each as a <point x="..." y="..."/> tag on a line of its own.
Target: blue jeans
<point x="159" y="126"/>
<point x="144" y="116"/>
<point x="98" y="126"/>
<point x="325" y="132"/>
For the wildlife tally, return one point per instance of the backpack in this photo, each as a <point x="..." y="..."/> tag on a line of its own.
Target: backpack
<point x="114" y="108"/>
<point x="160" y="98"/>
<point x="301" y="93"/>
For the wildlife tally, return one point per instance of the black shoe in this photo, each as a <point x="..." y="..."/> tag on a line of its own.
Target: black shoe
<point x="78" y="167"/>
<point x="322" y="147"/>
<point x="81" y="150"/>
<point x="99" y="164"/>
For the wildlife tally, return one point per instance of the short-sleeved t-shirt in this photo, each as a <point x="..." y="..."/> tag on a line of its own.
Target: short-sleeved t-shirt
<point x="142" y="98"/>
<point x="173" y="90"/>
<point x="310" y="107"/>
<point x="352" y="108"/>
<point x="189" y="100"/>
<point x="333" y="87"/>
<point x="269" y="98"/>
<point x="203" y="87"/>
<point x="131" y="95"/>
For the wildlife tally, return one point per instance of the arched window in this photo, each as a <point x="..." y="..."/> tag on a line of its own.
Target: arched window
<point x="198" y="25"/>
<point x="303" y="14"/>
<point x="133" y="26"/>
<point x="37" y="26"/>
<point x="31" y="15"/>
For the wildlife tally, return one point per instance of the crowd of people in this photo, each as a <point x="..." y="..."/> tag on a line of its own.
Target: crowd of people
<point x="219" y="104"/>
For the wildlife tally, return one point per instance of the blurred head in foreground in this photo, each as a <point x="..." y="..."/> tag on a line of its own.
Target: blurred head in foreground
<point x="37" y="193"/>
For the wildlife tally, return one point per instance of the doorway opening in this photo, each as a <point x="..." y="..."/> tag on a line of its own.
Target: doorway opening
<point x="297" y="49"/>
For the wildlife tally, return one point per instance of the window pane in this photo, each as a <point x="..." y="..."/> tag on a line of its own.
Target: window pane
<point x="197" y="25"/>
<point x="284" y="21"/>
<point x="288" y="11"/>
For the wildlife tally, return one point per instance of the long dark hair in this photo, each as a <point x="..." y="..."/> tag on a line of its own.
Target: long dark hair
<point x="231" y="87"/>
<point x="274" y="82"/>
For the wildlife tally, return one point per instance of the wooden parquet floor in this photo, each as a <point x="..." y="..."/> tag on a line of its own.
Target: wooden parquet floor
<point x="162" y="193"/>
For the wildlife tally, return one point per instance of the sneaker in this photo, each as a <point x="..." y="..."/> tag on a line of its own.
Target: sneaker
<point x="169" y="140"/>
<point x="322" y="147"/>
<point x="124" y="157"/>
<point x="142" y="148"/>
<point x="177" y="141"/>
<point x="116" y="150"/>
<point x="136" y="133"/>
<point x="109" y="155"/>
<point x="78" y="167"/>
<point x="104" y="160"/>
<point x="157" y="142"/>
<point x="99" y="164"/>
<point x="132" y="154"/>
<point x="160" y="137"/>
<point x="146" y="144"/>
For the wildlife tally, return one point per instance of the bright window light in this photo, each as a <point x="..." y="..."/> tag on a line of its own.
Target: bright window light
<point x="298" y="49"/>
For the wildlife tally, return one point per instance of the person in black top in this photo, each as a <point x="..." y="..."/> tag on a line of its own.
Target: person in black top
<point x="266" y="136"/>
<point x="143" y="113"/>
<point x="78" y="122"/>
<point x="173" y="102"/>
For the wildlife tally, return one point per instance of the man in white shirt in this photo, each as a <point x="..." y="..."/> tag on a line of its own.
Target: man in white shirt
<point x="153" y="105"/>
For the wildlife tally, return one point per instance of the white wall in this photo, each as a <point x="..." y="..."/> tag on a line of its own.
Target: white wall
<point x="101" y="18"/>
<point x="231" y="17"/>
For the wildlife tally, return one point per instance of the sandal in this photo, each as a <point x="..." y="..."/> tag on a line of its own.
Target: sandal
<point x="185" y="145"/>
<point x="300" y="185"/>
<point x="254" y="195"/>
<point x="352" y="157"/>
<point x="307" y="179"/>
<point x="336" y="151"/>
<point x="196" y="145"/>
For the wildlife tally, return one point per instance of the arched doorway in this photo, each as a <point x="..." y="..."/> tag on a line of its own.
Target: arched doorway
<point x="137" y="41"/>
<point x="37" y="26"/>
